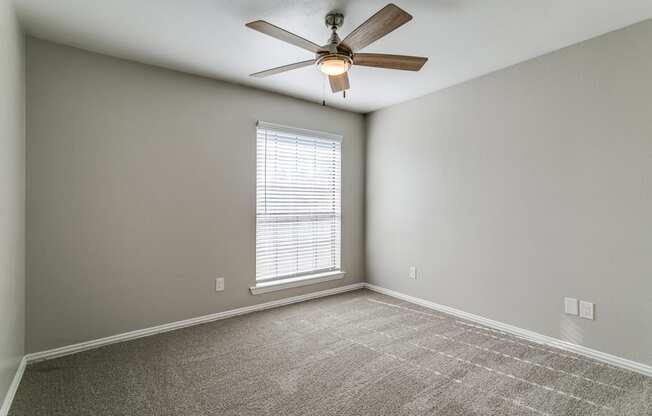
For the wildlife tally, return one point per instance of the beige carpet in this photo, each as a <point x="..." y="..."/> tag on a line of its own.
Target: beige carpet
<point x="358" y="353"/>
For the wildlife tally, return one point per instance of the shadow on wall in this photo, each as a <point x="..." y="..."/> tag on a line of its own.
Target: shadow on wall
<point x="569" y="330"/>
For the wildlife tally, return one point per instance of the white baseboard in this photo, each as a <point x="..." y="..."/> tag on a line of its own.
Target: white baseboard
<point x="140" y="333"/>
<point x="520" y="332"/>
<point x="13" y="387"/>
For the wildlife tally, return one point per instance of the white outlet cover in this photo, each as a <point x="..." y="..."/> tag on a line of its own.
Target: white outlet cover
<point x="586" y="310"/>
<point x="570" y="306"/>
<point x="219" y="284"/>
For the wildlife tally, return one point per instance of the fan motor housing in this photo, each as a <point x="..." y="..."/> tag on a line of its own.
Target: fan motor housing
<point x="332" y="57"/>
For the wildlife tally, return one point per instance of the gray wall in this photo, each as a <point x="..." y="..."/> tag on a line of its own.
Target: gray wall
<point x="141" y="191"/>
<point x="513" y="190"/>
<point x="12" y="197"/>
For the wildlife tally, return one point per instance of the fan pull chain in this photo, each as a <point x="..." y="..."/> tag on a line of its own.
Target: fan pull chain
<point x="323" y="91"/>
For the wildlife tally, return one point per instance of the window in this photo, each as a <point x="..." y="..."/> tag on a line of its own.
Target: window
<point x="298" y="214"/>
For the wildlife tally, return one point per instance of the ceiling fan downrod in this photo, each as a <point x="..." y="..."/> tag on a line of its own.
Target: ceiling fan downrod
<point x="333" y="21"/>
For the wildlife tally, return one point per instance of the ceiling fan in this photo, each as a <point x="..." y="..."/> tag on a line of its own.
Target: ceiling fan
<point x="336" y="57"/>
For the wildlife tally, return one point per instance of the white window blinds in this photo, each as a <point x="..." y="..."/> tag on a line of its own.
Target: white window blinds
<point x="298" y="215"/>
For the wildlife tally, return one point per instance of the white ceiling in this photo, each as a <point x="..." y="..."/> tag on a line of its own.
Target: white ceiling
<point x="463" y="38"/>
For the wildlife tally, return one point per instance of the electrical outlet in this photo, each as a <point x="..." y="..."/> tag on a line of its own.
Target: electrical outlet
<point x="586" y="310"/>
<point x="413" y="273"/>
<point x="219" y="284"/>
<point x="570" y="306"/>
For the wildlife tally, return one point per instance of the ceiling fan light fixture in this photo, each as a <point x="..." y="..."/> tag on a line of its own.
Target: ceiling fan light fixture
<point x="334" y="65"/>
<point x="335" y="58"/>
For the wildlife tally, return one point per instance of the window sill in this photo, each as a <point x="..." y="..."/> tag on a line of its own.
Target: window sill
<point x="295" y="282"/>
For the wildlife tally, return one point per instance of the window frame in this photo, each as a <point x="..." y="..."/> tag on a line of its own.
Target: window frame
<point x="313" y="276"/>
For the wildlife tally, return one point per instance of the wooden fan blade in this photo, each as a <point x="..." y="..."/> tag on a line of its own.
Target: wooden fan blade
<point x="278" y="70"/>
<point x="339" y="82"/>
<point x="381" y="60"/>
<point x="383" y="22"/>
<point x="282" y="34"/>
